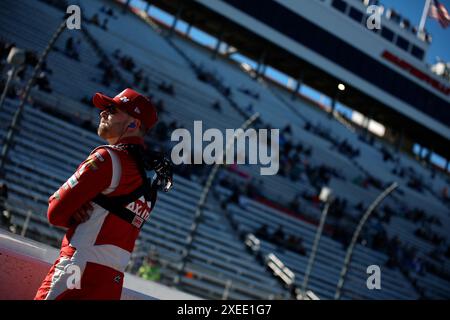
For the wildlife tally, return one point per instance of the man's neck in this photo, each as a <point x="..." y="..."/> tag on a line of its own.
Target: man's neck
<point x="116" y="140"/>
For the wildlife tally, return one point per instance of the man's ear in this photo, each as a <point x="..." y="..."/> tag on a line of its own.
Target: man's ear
<point x="135" y="124"/>
<point x="138" y="123"/>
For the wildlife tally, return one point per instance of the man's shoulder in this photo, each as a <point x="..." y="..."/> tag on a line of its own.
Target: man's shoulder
<point x="104" y="149"/>
<point x="114" y="154"/>
<point x="101" y="153"/>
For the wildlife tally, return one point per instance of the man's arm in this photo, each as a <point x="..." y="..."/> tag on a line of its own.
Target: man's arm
<point x="92" y="177"/>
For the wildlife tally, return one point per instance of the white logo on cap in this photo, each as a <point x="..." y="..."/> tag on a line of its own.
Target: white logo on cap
<point x="137" y="110"/>
<point x="124" y="99"/>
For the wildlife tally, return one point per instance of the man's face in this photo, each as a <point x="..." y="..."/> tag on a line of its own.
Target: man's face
<point x="113" y="123"/>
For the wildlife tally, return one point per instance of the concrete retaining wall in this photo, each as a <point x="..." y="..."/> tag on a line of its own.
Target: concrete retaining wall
<point x="24" y="263"/>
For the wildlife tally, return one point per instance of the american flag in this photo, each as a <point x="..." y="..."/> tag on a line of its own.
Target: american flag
<point x="440" y="13"/>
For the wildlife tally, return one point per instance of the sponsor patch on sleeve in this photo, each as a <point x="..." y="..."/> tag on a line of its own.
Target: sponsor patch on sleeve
<point x="99" y="156"/>
<point x="73" y="181"/>
<point x="56" y="195"/>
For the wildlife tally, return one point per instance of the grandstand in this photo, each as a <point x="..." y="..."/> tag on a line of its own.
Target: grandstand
<point x="207" y="255"/>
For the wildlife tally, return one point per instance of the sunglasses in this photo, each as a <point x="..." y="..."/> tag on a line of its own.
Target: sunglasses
<point x="111" y="109"/>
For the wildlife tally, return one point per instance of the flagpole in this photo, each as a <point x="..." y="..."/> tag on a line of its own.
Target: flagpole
<point x="426" y="8"/>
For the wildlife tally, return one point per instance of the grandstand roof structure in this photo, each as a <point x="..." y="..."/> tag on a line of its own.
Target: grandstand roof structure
<point x="252" y="45"/>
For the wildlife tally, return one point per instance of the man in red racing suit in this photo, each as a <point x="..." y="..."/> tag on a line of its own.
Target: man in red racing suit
<point x="97" y="246"/>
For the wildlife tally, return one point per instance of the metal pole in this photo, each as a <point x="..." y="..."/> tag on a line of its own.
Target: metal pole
<point x="11" y="73"/>
<point x="175" y="20"/>
<point x="25" y="224"/>
<point x="261" y="63"/>
<point x="218" y="43"/>
<point x="297" y="86"/>
<point x="333" y="103"/>
<point x="363" y="220"/>
<point x="125" y="6"/>
<point x="426" y="8"/>
<point x="315" y="246"/>
<point x="26" y="92"/>
<point x="226" y="290"/>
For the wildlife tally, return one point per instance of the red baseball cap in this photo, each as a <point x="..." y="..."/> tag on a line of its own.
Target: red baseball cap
<point x="130" y="102"/>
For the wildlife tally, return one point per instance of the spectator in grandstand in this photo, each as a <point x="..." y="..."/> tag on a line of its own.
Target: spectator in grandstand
<point x="295" y="244"/>
<point x="145" y="84"/>
<point x="3" y="52"/>
<point x="216" y="106"/>
<point x="108" y="11"/>
<point x="394" y="252"/>
<point x="262" y="232"/>
<point x="95" y="20"/>
<point x="278" y="237"/>
<point x="161" y="131"/>
<point x="249" y="109"/>
<point x="3" y="193"/>
<point x="346" y="149"/>
<point x="173" y="125"/>
<point x="116" y="54"/>
<point x="31" y="58"/>
<point x="415" y="183"/>
<point x="338" y="208"/>
<point x="444" y="193"/>
<point x="2" y="68"/>
<point x="287" y="130"/>
<point x="104" y="25"/>
<point x="72" y="48"/>
<point x="127" y="63"/>
<point x="69" y="46"/>
<point x="150" y="269"/>
<point x="295" y="203"/>
<point x="379" y="240"/>
<point x="234" y="197"/>
<point x="102" y="64"/>
<point x="5" y="215"/>
<point x="13" y="90"/>
<point x="307" y="126"/>
<point x="137" y="77"/>
<point x="108" y="75"/>
<point x="87" y="124"/>
<point x="166" y="87"/>
<point x="76" y="50"/>
<point x="5" y="48"/>
<point x="160" y="106"/>
<point x="45" y="68"/>
<point x="447" y="253"/>
<point x="106" y="202"/>
<point x="249" y="92"/>
<point x="43" y="83"/>
<point x="85" y="100"/>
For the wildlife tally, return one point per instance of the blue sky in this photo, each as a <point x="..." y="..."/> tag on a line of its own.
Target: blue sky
<point x="412" y="10"/>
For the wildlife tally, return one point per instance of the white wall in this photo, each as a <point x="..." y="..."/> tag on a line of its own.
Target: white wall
<point x="24" y="263"/>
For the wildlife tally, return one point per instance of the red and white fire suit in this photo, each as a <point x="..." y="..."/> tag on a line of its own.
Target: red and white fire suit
<point x="101" y="246"/>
